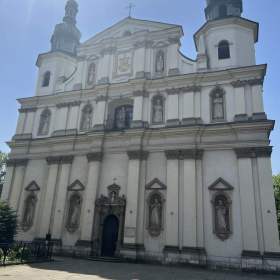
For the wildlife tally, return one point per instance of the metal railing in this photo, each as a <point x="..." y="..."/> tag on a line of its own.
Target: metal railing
<point x="25" y="252"/>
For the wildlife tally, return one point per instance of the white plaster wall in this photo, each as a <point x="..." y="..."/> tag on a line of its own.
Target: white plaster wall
<point x="223" y="164"/>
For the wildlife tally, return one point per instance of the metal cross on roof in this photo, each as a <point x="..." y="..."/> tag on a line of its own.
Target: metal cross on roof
<point x="130" y="7"/>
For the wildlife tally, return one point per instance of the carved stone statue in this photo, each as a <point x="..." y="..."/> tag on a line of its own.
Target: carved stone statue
<point x="44" y="122"/>
<point x="155" y="215"/>
<point x="29" y="212"/>
<point x="222" y="219"/>
<point x="74" y="213"/>
<point x="86" y="118"/>
<point x="218" y="106"/>
<point x="158" y="110"/>
<point x="91" y="73"/>
<point x="160" y="62"/>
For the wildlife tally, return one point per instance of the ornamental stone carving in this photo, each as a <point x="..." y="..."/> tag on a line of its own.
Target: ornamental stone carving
<point x="91" y="75"/>
<point x="96" y="156"/>
<point x="74" y="213"/>
<point x="217" y="97"/>
<point x="158" y="109"/>
<point x="87" y="117"/>
<point x="243" y="83"/>
<point x="27" y="110"/>
<point x="140" y="155"/>
<point x="253" y="152"/>
<point x="45" y="120"/>
<point x="160" y="61"/>
<point x="68" y="104"/>
<point x="184" y="154"/>
<point x="29" y="212"/>
<point x="17" y="162"/>
<point x="60" y="159"/>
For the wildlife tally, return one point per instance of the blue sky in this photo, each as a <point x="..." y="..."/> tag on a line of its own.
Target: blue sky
<point x="26" y="27"/>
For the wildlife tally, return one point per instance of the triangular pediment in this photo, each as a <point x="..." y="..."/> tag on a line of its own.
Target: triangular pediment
<point x="32" y="187"/>
<point x="76" y="186"/>
<point x="127" y="27"/>
<point x="221" y="185"/>
<point x="156" y="184"/>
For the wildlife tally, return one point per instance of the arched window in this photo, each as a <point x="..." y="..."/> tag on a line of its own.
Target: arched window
<point x="155" y="214"/>
<point x="91" y="74"/>
<point x="29" y="212"/>
<point x="160" y="62"/>
<point x="223" y="11"/>
<point x="45" y="120"/>
<point x="223" y="50"/>
<point x="87" y="116"/>
<point x="123" y="116"/>
<point x="46" y="79"/>
<point x="217" y="97"/>
<point x="158" y="109"/>
<point x="74" y="213"/>
<point x="222" y="216"/>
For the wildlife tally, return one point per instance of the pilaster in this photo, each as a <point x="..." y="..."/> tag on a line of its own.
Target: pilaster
<point x="138" y="108"/>
<point x="173" y="107"/>
<point x="99" y="119"/>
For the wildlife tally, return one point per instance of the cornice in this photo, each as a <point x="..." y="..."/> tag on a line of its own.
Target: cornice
<point x="184" y="154"/>
<point x="243" y="83"/>
<point x="254" y="152"/>
<point x="17" y="162"/>
<point x="60" y="159"/>
<point x="138" y="154"/>
<point x="96" y="156"/>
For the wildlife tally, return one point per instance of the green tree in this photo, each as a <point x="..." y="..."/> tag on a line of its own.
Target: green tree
<point x="276" y="185"/>
<point x="8" y="223"/>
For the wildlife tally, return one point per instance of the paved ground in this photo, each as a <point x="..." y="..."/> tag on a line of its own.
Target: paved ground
<point x="72" y="269"/>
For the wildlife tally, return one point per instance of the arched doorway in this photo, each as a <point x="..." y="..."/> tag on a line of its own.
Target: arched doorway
<point x="110" y="236"/>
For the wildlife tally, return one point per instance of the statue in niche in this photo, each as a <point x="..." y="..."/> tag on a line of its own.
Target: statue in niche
<point x="86" y="122"/>
<point x="91" y="73"/>
<point x="29" y="212"/>
<point x="113" y="196"/>
<point x="155" y="215"/>
<point x="222" y="217"/>
<point x="218" y="106"/>
<point x="44" y="122"/>
<point x="74" y="213"/>
<point x="157" y="109"/>
<point x="160" y="62"/>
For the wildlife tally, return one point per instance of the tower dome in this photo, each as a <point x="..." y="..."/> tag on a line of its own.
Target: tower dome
<point x="66" y="36"/>
<point x="217" y="9"/>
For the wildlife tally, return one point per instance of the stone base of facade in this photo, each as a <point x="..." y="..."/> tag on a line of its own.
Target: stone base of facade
<point x="172" y="123"/>
<point x="137" y="124"/>
<point x="132" y="252"/>
<point x="98" y="127"/>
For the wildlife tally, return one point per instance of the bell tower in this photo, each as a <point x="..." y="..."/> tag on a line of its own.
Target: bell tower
<point x="66" y="36"/>
<point x="217" y="9"/>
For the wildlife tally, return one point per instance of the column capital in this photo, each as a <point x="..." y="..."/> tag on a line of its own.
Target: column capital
<point x="101" y="98"/>
<point x="97" y="156"/>
<point x="17" y="162"/>
<point x="243" y="83"/>
<point x="141" y="93"/>
<point x="60" y="159"/>
<point x="138" y="154"/>
<point x="253" y="152"/>
<point x="27" y="110"/>
<point x="184" y="154"/>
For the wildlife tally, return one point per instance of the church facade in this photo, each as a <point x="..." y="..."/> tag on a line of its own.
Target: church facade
<point x="131" y="149"/>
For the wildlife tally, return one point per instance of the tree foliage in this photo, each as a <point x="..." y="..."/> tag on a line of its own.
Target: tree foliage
<point x="8" y="223"/>
<point x="276" y="185"/>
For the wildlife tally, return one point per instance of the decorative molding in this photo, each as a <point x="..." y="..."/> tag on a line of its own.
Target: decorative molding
<point x="227" y="186"/>
<point x="271" y="255"/>
<point x="17" y="162"/>
<point x="243" y="83"/>
<point x="25" y="136"/>
<point x="184" y="154"/>
<point x="194" y="250"/>
<point x="96" y="156"/>
<point x="155" y="181"/>
<point x="143" y="44"/>
<point x="68" y="104"/>
<point x="171" y="249"/>
<point x="101" y="98"/>
<point x="174" y="40"/>
<point x="60" y="159"/>
<point x="108" y="51"/>
<point x="192" y="88"/>
<point x="139" y="154"/>
<point x="27" y="110"/>
<point x="253" y="152"/>
<point x="173" y="91"/>
<point x="142" y="93"/>
<point x="251" y="254"/>
<point x="32" y="187"/>
<point x="76" y="186"/>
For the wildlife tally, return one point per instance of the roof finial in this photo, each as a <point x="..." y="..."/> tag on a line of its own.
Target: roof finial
<point x="130" y="7"/>
<point x="71" y="11"/>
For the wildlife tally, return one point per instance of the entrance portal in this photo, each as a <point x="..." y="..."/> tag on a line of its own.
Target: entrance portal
<point x="110" y="236"/>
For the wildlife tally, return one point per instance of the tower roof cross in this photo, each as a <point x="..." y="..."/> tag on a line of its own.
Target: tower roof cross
<point x="130" y="7"/>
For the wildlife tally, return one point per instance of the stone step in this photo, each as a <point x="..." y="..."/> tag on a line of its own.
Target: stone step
<point x="105" y="259"/>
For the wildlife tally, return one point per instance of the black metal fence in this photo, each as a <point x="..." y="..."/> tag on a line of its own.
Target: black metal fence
<point x="25" y="252"/>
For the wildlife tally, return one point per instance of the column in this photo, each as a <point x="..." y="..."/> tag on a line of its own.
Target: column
<point x="138" y="108"/>
<point x="247" y="200"/>
<point x="94" y="161"/>
<point x="73" y="116"/>
<point x="60" y="119"/>
<point x="188" y="108"/>
<point x="48" y="204"/>
<point x="257" y="99"/>
<point x="99" y="119"/>
<point x="61" y="196"/>
<point x="172" y="201"/>
<point x="29" y="122"/>
<point x="16" y="188"/>
<point x="173" y="107"/>
<point x="8" y="184"/>
<point x="240" y="104"/>
<point x="103" y="73"/>
<point x="139" y="62"/>
<point x="21" y="121"/>
<point x="268" y="209"/>
<point x="135" y="157"/>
